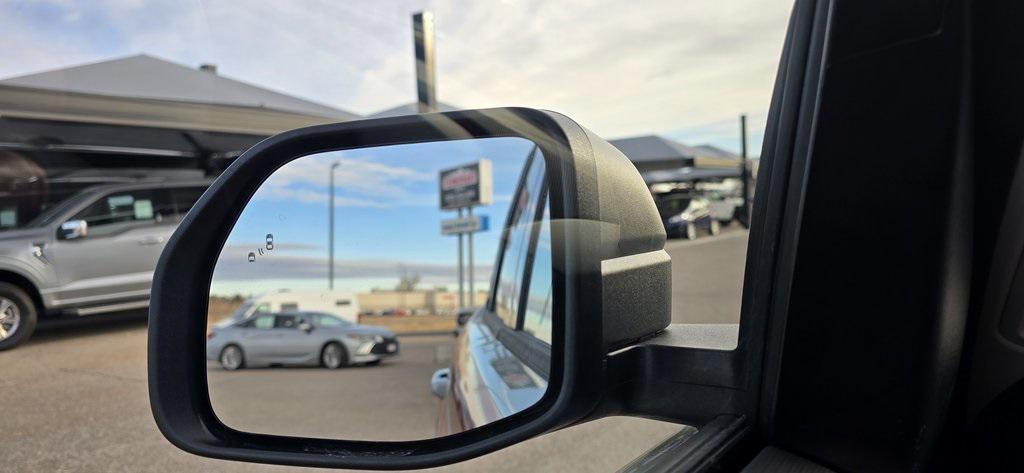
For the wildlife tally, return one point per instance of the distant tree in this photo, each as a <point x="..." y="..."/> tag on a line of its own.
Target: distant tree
<point x="407" y="282"/>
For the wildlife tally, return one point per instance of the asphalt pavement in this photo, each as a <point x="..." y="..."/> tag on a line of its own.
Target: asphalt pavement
<point x="75" y="397"/>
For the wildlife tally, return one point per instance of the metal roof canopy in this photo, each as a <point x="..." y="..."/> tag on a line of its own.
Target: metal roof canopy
<point x="147" y="91"/>
<point x="648" y="148"/>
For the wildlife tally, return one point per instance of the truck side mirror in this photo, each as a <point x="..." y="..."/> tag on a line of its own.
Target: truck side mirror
<point x="73" y="230"/>
<point x="609" y="277"/>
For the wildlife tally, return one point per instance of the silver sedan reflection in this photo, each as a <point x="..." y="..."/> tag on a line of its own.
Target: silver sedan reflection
<point x="297" y="339"/>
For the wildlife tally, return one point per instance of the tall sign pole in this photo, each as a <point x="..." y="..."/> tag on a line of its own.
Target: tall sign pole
<point x="462" y="188"/>
<point x="423" y="45"/>
<point x="469" y="236"/>
<point x="462" y="301"/>
<point x="744" y="172"/>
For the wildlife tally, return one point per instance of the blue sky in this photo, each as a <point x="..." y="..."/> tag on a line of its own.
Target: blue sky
<point x="682" y="69"/>
<point x="387" y="218"/>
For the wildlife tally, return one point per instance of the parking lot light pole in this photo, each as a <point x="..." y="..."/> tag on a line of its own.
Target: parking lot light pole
<point x="330" y="229"/>
<point x="744" y="173"/>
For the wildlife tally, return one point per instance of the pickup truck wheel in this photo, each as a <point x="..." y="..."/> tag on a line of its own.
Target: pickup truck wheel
<point x="17" y="316"/>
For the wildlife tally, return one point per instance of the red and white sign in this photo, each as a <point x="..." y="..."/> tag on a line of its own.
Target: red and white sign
<point x="466" y="186"/>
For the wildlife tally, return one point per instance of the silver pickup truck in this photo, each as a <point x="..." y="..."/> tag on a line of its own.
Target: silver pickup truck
<point x="92" y="253"/>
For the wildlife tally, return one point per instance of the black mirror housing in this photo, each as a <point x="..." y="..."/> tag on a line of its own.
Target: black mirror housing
<point x="611" y="287"/>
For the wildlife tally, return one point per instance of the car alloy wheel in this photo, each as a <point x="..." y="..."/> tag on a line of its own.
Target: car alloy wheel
<point x="332" y="356"/>
<point x="10" y="318"/>
<point x="231" y="358"/>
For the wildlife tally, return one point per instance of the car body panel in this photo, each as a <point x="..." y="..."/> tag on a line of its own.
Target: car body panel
<point x="490" y="381"/>
<point x="96" y="271"/>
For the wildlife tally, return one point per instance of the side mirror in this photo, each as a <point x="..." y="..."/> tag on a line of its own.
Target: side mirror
<point x="608" y="276"/>
<point x="305" y="327"/>
<point x="440" y="382"/>
<point x="463" y="316"/>
<point x="73" y="230"/>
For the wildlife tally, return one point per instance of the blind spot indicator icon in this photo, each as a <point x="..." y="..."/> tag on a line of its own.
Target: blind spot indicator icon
<point x="252" y="257"/>
<point x="270" y="241"/>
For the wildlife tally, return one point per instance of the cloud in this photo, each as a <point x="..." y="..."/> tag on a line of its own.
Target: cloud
<point x="233" y="265"/>
<point x="368" y="184"/>
<point x="306" y="196"/>
<point x="620" y="68"/>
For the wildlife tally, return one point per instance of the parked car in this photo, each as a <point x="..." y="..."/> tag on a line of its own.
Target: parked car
<point x="298" y="339"/>
<point x="693" y="219"/>
<point x="92" y="253"/>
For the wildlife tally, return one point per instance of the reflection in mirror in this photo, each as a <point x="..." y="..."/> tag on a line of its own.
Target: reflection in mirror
<point x="389" y="293"/>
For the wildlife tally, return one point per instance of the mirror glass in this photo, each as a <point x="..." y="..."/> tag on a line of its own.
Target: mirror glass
<point x="390" y="293"/>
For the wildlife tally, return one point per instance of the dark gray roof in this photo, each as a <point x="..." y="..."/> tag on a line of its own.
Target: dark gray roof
<point x="688" y="174"/>
<point x="148" y="77"/>
<point x="653" y="148"/>
<point x="409" y="109"/>
<point x="712" y="151"/>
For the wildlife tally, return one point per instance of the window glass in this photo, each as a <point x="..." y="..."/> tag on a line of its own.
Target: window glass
<point x="8" y="217"/>
<point x="263" y="321"/>
<point x="324" y="320"/>
<point x="286" y="321"/>
<point x="121" y="210"/>
<point x="537" y="320"/>
<point x="518" y="237"/>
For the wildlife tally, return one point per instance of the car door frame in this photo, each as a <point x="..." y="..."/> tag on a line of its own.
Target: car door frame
<point x="534" y="353"/>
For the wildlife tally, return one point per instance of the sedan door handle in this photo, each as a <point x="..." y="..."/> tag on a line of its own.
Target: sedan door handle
<point x="151" y="241"/>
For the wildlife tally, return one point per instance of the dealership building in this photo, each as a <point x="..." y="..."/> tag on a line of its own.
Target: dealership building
<point x="138" y="117"/>
<point x="146" y="118"/>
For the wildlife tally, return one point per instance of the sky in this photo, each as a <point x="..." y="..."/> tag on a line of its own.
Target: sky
<point x="387" y="215"/>
<point x="683" y="69"/>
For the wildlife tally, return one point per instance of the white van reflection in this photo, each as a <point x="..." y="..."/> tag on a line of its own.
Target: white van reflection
<point x="297" y="339"/>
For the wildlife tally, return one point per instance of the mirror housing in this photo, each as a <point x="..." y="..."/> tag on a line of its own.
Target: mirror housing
<point x="611" y="287"/>
<point x="305" y="327"/>
<point x="73" y="230"/>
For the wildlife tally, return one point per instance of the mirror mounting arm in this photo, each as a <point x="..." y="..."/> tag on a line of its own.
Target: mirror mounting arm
<point x="695" y="362"/>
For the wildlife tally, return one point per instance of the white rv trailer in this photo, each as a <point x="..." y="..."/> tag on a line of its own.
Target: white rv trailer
<point x="343" y="304"/>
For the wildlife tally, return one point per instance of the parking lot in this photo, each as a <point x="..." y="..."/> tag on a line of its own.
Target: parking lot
<point x="75" y="396"/>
